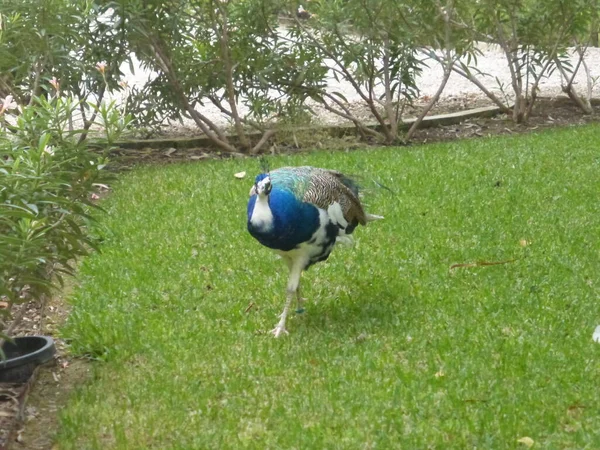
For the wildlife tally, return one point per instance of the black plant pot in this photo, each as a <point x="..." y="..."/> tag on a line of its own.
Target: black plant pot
<point x="23" y="355"/>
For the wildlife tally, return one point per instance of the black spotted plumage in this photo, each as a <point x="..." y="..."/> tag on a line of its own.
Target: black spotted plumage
<point x="331" y="234"/>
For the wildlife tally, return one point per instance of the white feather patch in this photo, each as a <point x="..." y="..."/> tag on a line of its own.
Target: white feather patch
<point x="337" y="215"/>
<point x="320" y="235"/>
<point x="262" y="217"/>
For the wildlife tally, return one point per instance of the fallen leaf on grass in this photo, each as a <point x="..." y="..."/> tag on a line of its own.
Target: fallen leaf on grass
<point x="596" y="335"/>
<point x="3" y="305"/>
<point x="572" y="427"/>
<point x="527" y="441"/>
<point x="361" y="337"/>
<point x="239" y="175"/>
<point x="475" y="400"/>
<point x="481" y="263"/>
<point x="575" y="409"/>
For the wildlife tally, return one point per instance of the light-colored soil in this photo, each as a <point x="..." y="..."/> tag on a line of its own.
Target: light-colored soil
<point x="491" y="65"/>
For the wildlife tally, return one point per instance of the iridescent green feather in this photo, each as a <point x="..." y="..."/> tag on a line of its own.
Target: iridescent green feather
<point x="322" y="188"/>
<point x="296" y="180"/>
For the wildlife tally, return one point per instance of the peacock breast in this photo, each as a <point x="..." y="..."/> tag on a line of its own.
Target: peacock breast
<point x="293" y="221"/>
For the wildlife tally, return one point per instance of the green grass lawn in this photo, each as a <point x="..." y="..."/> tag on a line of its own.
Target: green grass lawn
<point x="394" y="351"/>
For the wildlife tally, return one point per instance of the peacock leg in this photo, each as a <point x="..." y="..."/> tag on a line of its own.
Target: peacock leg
<point x="299" y="301"/>
<point x="292" y="287"/>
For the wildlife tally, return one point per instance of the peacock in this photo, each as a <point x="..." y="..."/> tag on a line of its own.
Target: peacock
<point x="301" y="212"/>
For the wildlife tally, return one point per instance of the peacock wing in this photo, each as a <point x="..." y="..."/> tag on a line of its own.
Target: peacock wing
<point x="327" y="187"/>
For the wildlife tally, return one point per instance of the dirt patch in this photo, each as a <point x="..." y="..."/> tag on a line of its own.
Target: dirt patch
<point x="29" y="412"/>
<point x="548" y="113"/>
<point x="47" y="397"/>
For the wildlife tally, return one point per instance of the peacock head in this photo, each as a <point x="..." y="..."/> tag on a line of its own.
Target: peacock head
<point x="262" y="185"/>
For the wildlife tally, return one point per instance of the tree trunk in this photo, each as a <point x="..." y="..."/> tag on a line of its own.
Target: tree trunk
<point x="230" y="88"/>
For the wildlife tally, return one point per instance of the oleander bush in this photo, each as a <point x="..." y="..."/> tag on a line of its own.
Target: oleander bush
<point x="48" y="177"/>
<point x="236" y="64"/>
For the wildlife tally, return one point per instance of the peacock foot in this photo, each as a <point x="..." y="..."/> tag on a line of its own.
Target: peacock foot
<point x="279" y="330"/>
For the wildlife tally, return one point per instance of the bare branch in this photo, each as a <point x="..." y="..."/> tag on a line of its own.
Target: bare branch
<point x="228" y="66"/>
<point x="265" y="137"/>
<point x="433" y="101"/>
<point x="41" y="62"/>
<point x="345" y="113"/>
<point x="88" y="123"/>
<point x="215" y="101"/>
<point x="343" y="70"/>
<point x="581" y="53"/>
<point x="461" y="71"/>
<point x="551" y="58"/>
<point x="203" y="122"/>
<point x="590" y="86"/>
<point x="583" y="104"/>
<point x="389" y="107"/>
<point x="511" y="55"/>
<point x="448" y="64"/>
<point x="368" y="99"/>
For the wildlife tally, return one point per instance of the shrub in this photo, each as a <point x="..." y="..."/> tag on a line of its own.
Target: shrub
<point x="224" y="54"/>
<point x="533" y="36"/>
<point x="47" y="178"/>
<point x="364" y="46"/>
<point x="64" y="40"/>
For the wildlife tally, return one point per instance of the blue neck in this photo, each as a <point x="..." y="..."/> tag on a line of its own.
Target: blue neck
<point x="294" y="221"/>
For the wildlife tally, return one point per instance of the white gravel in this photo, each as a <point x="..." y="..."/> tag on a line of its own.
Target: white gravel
<point x="492" y="62"/>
